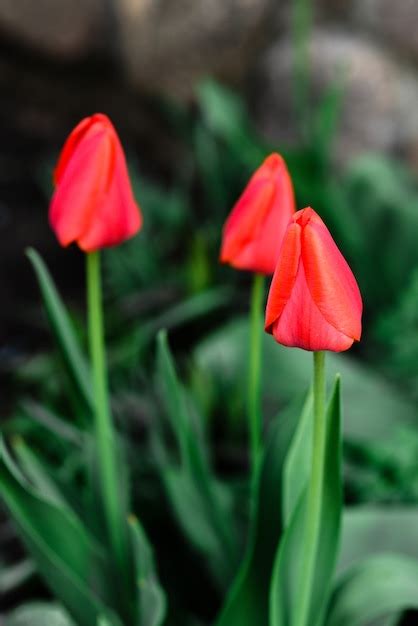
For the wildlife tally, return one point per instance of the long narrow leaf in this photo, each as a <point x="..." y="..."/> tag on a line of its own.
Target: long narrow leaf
<point x="298" y="461"/>
<point x="247" y="602"/>
<point x="175" y="403"/>
<point x="15" y="575"/>
<point x="62" y="329"/>
<point x="67" y="557"/>
<point x="37" y="474"/>
<point x="53" y="423"/>
<point x="151" y="597"/>
<point x="201" y="505"/>
<point x="285" y="585"/>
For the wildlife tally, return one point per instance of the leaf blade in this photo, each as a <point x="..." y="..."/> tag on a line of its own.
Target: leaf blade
<point x="39" y="614"/>
<point x="380" y="586"/>
<point x="194" y="480"/>
<point x="284" y="591"/>
<point x="247" y="602"/>
<point x="62" y="329"/>
<point x="67" y="557"/>
<point x="152" y="600"/>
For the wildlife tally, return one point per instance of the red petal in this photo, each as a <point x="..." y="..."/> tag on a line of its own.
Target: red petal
<point x="330" y="280"/>
<point x="116" y="217"/>
<point x="284" y="276"/>
<point x="80" y="188"/>
<point x="75" y="137"/>
<point x="244" y="223"/>
<point x="302" y="325"/>
<point x="93" y="202"/>
<point x="253" y="232"/>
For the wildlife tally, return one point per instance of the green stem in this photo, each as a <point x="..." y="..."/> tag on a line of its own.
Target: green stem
<point x="301" y="26"/>
<point x="254" y="375"/>
<point x="104" y="429"/>
<point x="313" y="512"/>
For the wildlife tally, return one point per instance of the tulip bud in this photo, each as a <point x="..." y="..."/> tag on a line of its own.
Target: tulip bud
<point x="93" y="203"/>
<point x="255" y="227"/>
<point x="314" y="301"/>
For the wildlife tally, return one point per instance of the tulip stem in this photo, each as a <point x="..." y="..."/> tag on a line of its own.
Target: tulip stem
<point x="254" y="375"/>
<point x="315" y="487"/>
<point x="104" y="429"/>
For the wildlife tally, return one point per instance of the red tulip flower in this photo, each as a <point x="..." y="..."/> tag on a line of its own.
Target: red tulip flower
<point x="255" y="227"/>
<point x="93" y="203"/>
<point x="314" y="301"/>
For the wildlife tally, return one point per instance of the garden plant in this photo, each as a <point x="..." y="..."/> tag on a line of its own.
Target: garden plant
<point x="221" y="436"/>
<point x="275" y="549"/>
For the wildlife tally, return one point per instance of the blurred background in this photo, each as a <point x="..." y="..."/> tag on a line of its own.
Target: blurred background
<point x="142" y="63"/>
<point x="200" y="92"/>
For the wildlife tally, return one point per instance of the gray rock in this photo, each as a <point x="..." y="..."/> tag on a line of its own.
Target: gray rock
<point x="394" y="23"/>
<point x="66" y="29"/>
<point x="168" y="45"/>
<point x="378" y="111"/>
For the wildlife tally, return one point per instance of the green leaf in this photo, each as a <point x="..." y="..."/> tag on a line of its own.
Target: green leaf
<point x="370" y="530"/>
<point x="176" y="408"/>
<point x="377" y="587"/>
<point x="66" y="431"/>
<point x="326" y="118"/>
<point x="247" y="601"/>
<point x="62" y="329"/>
<point x="298" y="461"/>
<point x="188" y="310"/>
<point x="208" y="157"/>
<point x="15" y="575"/>
<point x="67" y="557"/>
<point x="55" y="486"/>
<point x="192" y="511"/>
<point x="104" y="620"/>
<point x="382" y="195"/>
<point x="227" y="121"/>
<point x="192" y="489"/>
<point x="39" y="614"/>
<point x="284" y="591"/>
<point x="222" y="110"/>
<point x="37" y="474"/>
<point x="151" y="597"/>
<point x="401" y="349"/>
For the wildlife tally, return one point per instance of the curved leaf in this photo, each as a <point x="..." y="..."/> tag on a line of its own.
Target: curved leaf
<point x="68" y="558"/>
<point x="379" y="586"/>
<point x="247" y="602"/>
<point x="298" y="461"/>
<point x="36" y="472"/>
<point x="199" y="501"/>
<point x="284" y="591"/>
<point x="38" y="614"/>
<point x="14" y="575"/>
<point x="370" y="530"/>
<point x="62" y="329"/>
<point x="151" y="597"/>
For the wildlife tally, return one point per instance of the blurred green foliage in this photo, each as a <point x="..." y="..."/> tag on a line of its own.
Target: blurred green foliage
<point x="397" y="332"/>
<point x="169" y="277"/>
